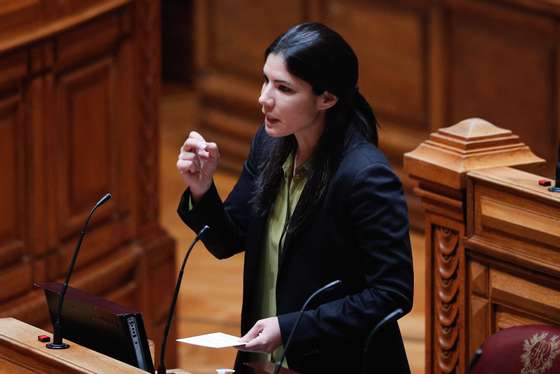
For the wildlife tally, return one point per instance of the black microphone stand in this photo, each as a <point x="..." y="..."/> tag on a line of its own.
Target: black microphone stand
<point x="57" y="327"/>
<point x="278" y="365"/>
<point x="161" y="368"/>
<point x="393" y="316"/>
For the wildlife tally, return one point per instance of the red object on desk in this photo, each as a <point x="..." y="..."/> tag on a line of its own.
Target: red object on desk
<point x="44" y="338"/>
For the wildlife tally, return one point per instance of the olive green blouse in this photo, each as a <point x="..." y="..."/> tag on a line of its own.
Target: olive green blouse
<point x="278" y="220"/>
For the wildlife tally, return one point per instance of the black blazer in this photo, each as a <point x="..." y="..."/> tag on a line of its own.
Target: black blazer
<point x="358" y="233"/>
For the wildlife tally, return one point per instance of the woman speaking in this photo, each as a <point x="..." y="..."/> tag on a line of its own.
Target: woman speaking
<point x="316" y="202"/>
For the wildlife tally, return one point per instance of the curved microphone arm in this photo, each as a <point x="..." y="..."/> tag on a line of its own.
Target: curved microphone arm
<point x="161" y="368"/>
<point x="300" y="315"/>
<point x="57" y="328"/>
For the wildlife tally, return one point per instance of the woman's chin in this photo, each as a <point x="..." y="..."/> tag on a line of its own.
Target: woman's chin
<point x="272" y="130"/>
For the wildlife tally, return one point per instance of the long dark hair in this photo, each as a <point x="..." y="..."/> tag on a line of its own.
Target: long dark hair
<point x="321" y="57"/>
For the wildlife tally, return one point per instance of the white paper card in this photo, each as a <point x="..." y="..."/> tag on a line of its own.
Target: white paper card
<point x="214" y="340"/>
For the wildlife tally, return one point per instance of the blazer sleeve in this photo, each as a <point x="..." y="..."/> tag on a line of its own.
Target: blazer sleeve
<point x="378" y="222"/>
<point x="228" y="221"/>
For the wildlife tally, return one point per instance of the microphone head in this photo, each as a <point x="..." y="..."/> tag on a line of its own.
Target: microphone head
<point x="335" y="283"/>
<point x="103" y="200"/>
<point x="202" y="231"/>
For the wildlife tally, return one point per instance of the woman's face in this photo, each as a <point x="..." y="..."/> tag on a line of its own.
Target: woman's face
<point x="288" y="103"/>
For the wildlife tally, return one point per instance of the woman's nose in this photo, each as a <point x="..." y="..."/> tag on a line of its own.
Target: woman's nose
<point x="265" y="100"/>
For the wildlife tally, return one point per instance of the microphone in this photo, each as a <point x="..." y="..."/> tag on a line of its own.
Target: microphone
<point x="556" y="187"/>
<point x="57" y="328"/>
<point x="393" y="316"/>
<point x="327" y="287"/>
<point x="161" y="368"/>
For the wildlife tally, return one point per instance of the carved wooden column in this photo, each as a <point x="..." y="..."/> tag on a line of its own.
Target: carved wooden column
<point x="440" y="165"/>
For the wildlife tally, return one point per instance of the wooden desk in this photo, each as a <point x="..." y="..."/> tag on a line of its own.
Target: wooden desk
<point x="512" y="248"/>
<point x="21" y="352"/>
<point x="492" y="240"/>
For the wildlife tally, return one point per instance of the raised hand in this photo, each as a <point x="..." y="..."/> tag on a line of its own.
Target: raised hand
<point x="197" y="163"/>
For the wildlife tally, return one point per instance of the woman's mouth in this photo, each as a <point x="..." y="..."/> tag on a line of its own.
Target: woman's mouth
<point x="271" y="120"/>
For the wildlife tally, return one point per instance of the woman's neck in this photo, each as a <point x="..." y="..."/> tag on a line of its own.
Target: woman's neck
<point x="301" y="156"/>
<point x="307" y="141"/>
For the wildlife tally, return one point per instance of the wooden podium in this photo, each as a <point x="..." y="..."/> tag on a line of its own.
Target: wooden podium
<point x="492" y="240"/>
<point x="21" y="352"/>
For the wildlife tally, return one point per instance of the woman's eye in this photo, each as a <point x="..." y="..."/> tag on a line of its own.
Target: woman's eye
<point x="285" y="89"/>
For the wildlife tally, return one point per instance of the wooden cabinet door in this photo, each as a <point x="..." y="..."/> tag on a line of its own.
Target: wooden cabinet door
<point x="89" y="142"/>
<point x="15" y="154"/>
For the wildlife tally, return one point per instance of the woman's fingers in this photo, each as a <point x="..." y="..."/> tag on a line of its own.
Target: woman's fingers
<point x="212" y="150"/>
<point x="193" y="145"/>
<point x="264" y="336"/>
<point x="187" y="166"/>
<point x="195" y="135"/>
<point x="194" y="156"/>
<point x="197" y="162"/>
<point x="252" y="333"/>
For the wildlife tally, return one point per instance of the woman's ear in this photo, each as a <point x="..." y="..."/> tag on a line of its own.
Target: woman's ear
<point x="326" y="100"/>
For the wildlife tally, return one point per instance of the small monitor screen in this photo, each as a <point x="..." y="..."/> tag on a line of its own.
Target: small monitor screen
<point x="101" y="325"/>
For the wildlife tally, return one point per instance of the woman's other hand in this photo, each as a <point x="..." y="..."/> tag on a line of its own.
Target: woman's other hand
<point x="264" y="336"/>
<point x="197" y="163"/>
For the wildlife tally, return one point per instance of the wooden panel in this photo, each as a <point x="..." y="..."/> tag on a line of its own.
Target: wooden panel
<point x="102" y="239"/>
<point x="478" y="278"/>
<point x="112" y="272"/>
<point x="233" y="46"/>
<point x="479" y="322"/>
<point x="390" y="42"/>
<point x="19" y="277"/>
<point x="162" y="273"/>
<point x="12" y="188"/>
<point x="521" y="226"/>
<point x="536" y="225"/>
<point x="14" y="14"/>
<point x="102" y="36"/>
<point x="87" y="150"/>
<point x="516" y="292"/>
<point x="13" y="67"/>
<point x="125" y="295"/>
<point x="502" y="67"/>
<point x="94" y="151"/>
<point x="504" y="318"/>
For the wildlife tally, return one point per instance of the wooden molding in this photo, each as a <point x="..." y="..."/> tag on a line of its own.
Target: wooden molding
<point x="472" y="144"/>
<point x="49" y="27"/>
